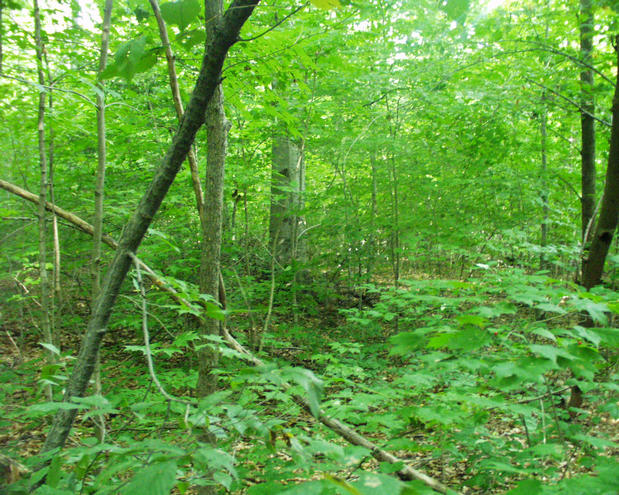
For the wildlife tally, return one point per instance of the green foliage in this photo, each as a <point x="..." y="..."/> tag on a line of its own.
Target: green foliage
<point x="415" y="315"/>
<point x="181" y="13"/>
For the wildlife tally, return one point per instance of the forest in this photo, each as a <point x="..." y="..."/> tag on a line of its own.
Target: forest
<point x="309" y="247"/>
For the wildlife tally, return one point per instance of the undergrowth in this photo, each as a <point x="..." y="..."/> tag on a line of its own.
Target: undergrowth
<point x="467" y="381"/>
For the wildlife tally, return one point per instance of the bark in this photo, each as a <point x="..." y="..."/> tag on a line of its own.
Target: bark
<point x="544" y="177"/>
<point x="287" y="183"/>
<point x="217" y="143"/>
<point x="44" y="279"/>
<point x="133" y="233"/>
<point x="101" y="156"/>
<point x="1" y="33"/>
<point x="216" y="132"/>
<point x="372" y="248"/>
<point x="609" y="210"/>
<point x="587" y="122"/>
<point x="56" y="300"/>
<point x="100" y="194"/>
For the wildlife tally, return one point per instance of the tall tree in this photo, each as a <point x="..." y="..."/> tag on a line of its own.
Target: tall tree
<point x="44" y="279"/>
<point x="217" y="143"/>
<point x="100" y="191"/>
<point x="609" y="210"/>
<point x="287" y="188"/>
<point x="587" y="122"/>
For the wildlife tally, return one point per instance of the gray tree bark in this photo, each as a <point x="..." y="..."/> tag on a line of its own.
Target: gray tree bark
<point x="43" y="275"/>
<point x="99" y="194"/>
<point x="227" y="30"/>
<point x="287" y="190"/>
<point x="217" y="143"/>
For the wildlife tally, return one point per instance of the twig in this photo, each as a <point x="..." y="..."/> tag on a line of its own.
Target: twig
<point x="244" y="296"/>
<point x="284" y="19"/>
<point x="149" y="358"/>
<point x="570" y="101"/>
<point x="19" y="354"/>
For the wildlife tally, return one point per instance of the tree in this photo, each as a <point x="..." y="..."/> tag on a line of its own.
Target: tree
<point x="46" y="326"/>
<point x="287" y="189"/>
<point x="587" y="121"/>
<point x="609" y="210"/>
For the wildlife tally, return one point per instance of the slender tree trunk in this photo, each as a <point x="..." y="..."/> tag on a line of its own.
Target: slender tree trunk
<point x="178" y="106"/>
<point x="100" y="195"/>
<point x="372" y="248"/>
<point x="133" y="233"/>
<point x="210" y="261"/>
<point x="44" y="279"/>
<point x="217" y="141"/>
<point x="587" y="123"/>
<point x="609" y="210"/>
<point x="544" y="185"/>
<point x="210" y="215"/>
<point x="1" y="33"/>
<point x="56" y="300"/>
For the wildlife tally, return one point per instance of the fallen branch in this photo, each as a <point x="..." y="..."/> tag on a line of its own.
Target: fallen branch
<point x="87" y="228"/>
<point x="407" y="473"/>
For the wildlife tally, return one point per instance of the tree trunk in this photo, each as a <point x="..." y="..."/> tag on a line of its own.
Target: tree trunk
<point x="178" y="106"/>
<point x="44" y="279"/>
<point x="587" y="123"/>
<point x="99" y="195"/>
<point x="1" y="32"/>
<point x="372" y="241"/>
<point x="609" y="211"/>
<point x="217" y="142"/>
<point x="56" y="299"/>
<point x="210" y="75"/>
<point x="287" y="183"/>
<point x="544" y="179"/>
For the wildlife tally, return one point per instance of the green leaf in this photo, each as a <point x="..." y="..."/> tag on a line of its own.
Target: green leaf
<point x="311" y="384"/>
<point x="181" y="13"/>
<point x="543" y="332"/>
<point x="156" y="479"/>
<point x="527" y="487"/>
<point x="131" y="58"/>
<point x="551" y="352"/>
<point x="50" y="347"/>
<point x="473" y="320"/>
<point x="377" y="484"/>
<point x="49" y="407"/>
<point x="55" y="472"/>
<point x="551" y="308"/>
<point x="326" y="4"/>
<point x="456" y="9"/>
<point x="406" y="342"/>
<point x="597" y="311"/>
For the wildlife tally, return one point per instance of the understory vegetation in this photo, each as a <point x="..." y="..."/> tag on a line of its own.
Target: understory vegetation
<point x="405" y="282"/>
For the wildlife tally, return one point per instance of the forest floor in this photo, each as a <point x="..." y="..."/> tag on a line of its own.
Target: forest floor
<point x="22" y="435"/>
